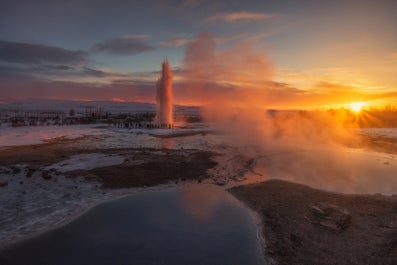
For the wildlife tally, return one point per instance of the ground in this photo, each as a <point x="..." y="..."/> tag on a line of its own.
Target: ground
<point x="48" y="184"/>
<point x="302" y="225"/>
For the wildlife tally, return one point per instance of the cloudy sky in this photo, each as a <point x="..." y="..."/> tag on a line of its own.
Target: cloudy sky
<point x="290" y="54"/>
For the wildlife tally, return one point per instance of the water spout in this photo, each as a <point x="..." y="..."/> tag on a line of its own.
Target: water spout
<point x="165" y="116"/>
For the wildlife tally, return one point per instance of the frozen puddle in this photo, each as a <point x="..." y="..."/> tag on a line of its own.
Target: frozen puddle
<point x="87" y="162"/>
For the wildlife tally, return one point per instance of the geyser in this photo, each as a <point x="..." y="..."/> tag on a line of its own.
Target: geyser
<point x="164" y="116"/>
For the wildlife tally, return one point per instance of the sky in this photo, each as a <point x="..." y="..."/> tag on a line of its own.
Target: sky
<point x="283" y="54"/>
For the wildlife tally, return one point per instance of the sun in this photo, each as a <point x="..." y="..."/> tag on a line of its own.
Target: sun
<point x="357" y="106"/>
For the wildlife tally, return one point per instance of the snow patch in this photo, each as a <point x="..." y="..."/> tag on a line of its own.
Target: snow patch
<point x="28" y="135"/>
<point x="86" y="162"/>
<point x="167" y="132"/>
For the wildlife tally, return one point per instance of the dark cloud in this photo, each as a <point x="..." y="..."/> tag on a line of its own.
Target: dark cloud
<point x="54" y="72"/>
<point x="19" y="89"/>
<point x="27" y="53"/>
<point x="60" y="67"/>
<point x="93" y="72"/>
<point x="125" y="45"/>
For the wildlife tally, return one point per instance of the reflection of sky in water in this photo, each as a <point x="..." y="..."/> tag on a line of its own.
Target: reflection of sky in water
<point x="183" y="226"/>
<point x="167" y="143"/>
<point x="201" y="201"/>
<point x="344" y="170"/>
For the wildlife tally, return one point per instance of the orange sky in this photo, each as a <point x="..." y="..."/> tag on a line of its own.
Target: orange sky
<point x="280" y="54"/>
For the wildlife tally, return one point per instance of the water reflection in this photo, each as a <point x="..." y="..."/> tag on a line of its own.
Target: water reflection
<point x="201" y="201"/>
<point x="150" y="228"/>
<point x="167" y="143"/>
<point x="346" y="170"/>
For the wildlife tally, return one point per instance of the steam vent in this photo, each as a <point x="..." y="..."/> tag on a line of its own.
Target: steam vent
<point x="164" y="116"/>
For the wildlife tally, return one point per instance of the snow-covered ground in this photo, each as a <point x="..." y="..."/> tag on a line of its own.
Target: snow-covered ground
<point x="167" y="132"/>
<point x="45" y="200"/>
<point x="35" y="199"/>
<point x="86" y="162"/>
<point x="48" y="198"/>
<point x="27" y="135"/>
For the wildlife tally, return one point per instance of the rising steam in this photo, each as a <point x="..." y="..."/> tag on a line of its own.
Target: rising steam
<point x="235" y="86"/>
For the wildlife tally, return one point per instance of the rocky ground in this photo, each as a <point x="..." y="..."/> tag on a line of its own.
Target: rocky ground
<point x="302" y="225"/>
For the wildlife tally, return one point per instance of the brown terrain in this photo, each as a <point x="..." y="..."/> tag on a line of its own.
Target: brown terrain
<point x="147" y="168"/>
<point x="302" y="225"/>
<point x="141" y="167"/>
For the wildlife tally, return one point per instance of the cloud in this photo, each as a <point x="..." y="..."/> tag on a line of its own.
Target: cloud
<point x="94" y="72"/>
<point x="124" y="45"/>
<point x="240" y="16"/>
<point x="27" y="53"/>
<point x="328" y="93"/>
<point x="191" y="3"/>
<point x="51" y="72"/>
<point x="175" y="42"/>
<point x="31" y="87"/>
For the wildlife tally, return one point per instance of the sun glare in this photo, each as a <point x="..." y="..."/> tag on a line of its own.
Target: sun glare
<point x="357" y="106"/>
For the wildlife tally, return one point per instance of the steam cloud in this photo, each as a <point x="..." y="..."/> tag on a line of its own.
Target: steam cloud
<point x="235" y="85"/>
<point x="303" y="146"/>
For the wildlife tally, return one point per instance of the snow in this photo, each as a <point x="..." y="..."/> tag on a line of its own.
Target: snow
<point x="167" y="132"/>
<point x="34" y="204"/>
<point x="86" y="162"/>
<point x="28" y="135"/>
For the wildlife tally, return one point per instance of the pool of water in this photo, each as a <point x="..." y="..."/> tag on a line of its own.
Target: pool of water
<point x="195" y="224"/>
<point x="353" y="171"/>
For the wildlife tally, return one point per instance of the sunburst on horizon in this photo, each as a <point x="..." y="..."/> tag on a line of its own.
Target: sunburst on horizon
<point x="357" y="106"/>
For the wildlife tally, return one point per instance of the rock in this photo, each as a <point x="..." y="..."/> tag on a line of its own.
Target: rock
<point x="3" y="183"/>
<point x="29" y="172"/>
<point x="220" y="182"/>
<point x="16" y="170"/>
<point x="45" y="175"/>
<point x="328" y="216"/>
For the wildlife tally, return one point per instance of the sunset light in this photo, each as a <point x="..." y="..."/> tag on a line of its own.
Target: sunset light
<point x="198" y="132"/>
<point x="357" y="106"/>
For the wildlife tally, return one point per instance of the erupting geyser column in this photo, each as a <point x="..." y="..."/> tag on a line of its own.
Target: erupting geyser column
<point x="164" y="117"/>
